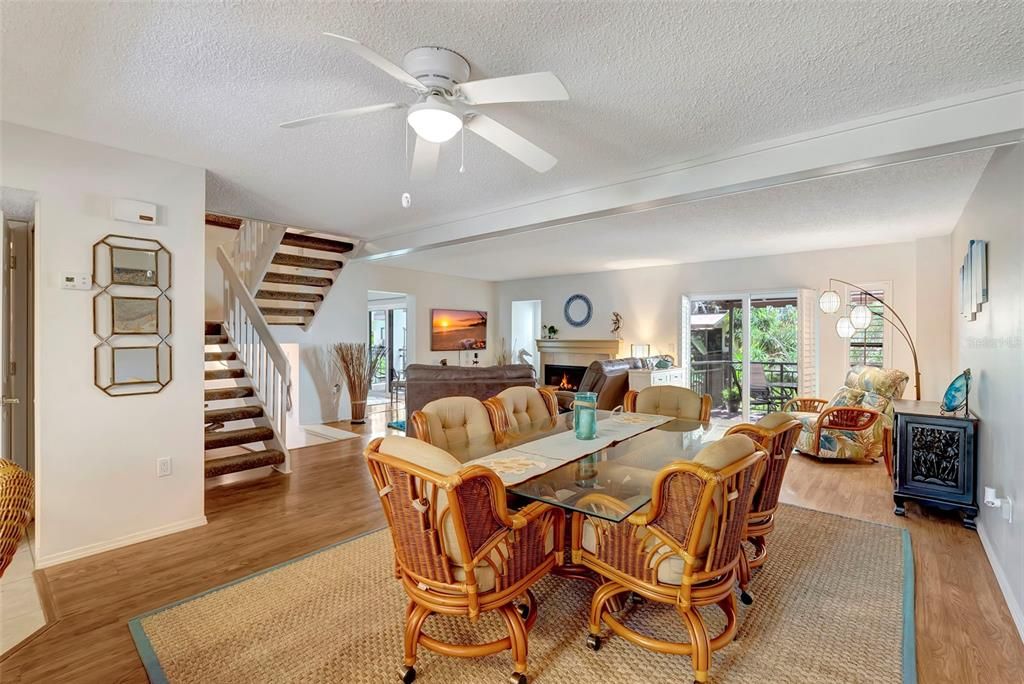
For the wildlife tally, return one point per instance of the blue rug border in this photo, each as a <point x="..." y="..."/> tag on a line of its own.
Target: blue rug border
<point x="151" y="663"/>
<point x="909" y="624"/>
<point x="156" y="674"/>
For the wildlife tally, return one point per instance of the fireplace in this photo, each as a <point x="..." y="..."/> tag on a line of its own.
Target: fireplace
<point x="563" y="377"/>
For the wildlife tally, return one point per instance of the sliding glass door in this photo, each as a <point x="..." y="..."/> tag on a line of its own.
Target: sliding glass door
<point x="743" y="352"/>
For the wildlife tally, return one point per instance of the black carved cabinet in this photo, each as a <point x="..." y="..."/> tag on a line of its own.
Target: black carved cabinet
<point x="936" y="458"/>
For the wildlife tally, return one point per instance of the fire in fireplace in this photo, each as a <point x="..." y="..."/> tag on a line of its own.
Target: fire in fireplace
<point x="563" y="377"/>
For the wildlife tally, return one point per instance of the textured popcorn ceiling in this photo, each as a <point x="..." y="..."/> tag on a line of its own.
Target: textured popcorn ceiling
<point x="893" y="204"/>
<point x="651" y="84"/>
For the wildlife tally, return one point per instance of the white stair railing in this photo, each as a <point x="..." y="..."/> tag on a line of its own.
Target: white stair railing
<point x="254" y="250"/>
<point x="264" y="359"/>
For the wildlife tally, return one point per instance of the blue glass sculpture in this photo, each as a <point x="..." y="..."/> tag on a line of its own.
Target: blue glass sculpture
<point x="955" y="397"/>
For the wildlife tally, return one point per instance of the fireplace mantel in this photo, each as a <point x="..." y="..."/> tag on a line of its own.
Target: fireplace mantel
<point x="576" y="352"/>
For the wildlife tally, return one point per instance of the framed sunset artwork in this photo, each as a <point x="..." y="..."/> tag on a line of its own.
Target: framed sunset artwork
<point x="457" y="330"/>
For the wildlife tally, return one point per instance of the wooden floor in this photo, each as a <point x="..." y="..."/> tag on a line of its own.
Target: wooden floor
<point x="964" y="630"/>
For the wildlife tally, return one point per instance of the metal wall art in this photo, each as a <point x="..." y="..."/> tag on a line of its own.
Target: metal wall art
<point x="974" y="279"/>
<point x="131" y="315"/>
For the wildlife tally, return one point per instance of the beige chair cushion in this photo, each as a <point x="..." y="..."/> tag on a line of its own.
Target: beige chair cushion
<point x="460" y="426"/>
<point x="716" y="455"/>
<point x="523" y="405"/>
<point x="668" y="400"/>
<point x="774" y="420"/>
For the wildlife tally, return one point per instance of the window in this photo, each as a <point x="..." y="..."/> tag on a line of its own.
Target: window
<point x="867" y="347"/>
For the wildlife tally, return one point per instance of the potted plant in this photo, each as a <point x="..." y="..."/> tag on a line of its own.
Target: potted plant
<point x="731" y="397"/>
<point x="548" y="332"/>
<point x="357" y="366"/>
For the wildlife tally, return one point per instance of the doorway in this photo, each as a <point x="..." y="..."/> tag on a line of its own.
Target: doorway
<point x="744" y="352"/>
<point x="17" y="217"/>
<point x="388" y="314"/>
<point x="526" y="323"/>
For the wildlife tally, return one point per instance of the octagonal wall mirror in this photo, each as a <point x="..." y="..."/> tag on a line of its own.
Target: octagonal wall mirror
<point x="132" y="315"/>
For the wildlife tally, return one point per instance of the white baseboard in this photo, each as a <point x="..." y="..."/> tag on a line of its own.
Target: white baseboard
<point x="135" y="538"/>
<point x="1004" y="583"/>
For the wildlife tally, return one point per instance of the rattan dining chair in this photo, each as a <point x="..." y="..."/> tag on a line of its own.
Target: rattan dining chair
<point x="683" y="551"/>
<point x="459" y="425"/>
<point x="458" y="549"/>
<point x="776" y="433"/>
<point x="669" y="400"/>
<point x="515" y="408"/>
<point x="17" y="492"/>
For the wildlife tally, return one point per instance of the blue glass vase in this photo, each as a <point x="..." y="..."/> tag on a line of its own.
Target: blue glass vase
<point x="584" y="417"/>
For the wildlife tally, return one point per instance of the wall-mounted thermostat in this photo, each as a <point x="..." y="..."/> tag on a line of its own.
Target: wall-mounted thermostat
<point x="76" y="281"/>
<point x="134" y="211"/>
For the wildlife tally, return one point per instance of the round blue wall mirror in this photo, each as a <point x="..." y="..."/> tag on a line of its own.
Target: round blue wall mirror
<point x="578" y="310"/>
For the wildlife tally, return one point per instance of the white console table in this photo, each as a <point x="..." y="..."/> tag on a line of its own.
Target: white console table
<point x="639" y="379"/>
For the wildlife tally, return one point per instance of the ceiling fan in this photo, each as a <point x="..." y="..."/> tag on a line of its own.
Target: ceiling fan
<point x="447" y="103"/>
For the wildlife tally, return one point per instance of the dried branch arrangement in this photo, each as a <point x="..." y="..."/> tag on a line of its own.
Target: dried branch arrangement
<point x="357" y="366"/>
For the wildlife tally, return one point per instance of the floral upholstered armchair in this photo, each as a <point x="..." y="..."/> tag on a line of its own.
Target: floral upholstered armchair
<point x="856" y="423"/>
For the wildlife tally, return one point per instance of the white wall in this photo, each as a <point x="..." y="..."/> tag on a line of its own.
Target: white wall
<point x="649" y="300"/>
<point x="96" y="455"/>
<point x="992" y="346"/>
<point x="215" y="236"/>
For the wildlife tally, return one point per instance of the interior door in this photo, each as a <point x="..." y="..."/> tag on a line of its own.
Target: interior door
<point x="16" y="373"/>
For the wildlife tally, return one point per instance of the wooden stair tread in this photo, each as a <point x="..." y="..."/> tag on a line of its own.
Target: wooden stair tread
<point x="225" y="415"/>
<point x="224" y="373"/>
<point x="306" y="262"/>
<point x="233" y="464"/>
<point x="281" y="311"/>
<point x="221" y="356"/>
<point x="226" y="438"/>
<point x="284" y="295"/>
<point x="216" y="339"/>
<point x="318" y="243"/>
<point x="295" y="279"/>
<point x="221" y="393"/>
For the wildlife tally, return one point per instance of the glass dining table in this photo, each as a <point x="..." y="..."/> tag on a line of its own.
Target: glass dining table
<point x="609" y="477"/>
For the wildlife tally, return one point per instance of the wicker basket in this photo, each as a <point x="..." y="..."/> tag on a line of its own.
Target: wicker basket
<point x="16" y="492"/>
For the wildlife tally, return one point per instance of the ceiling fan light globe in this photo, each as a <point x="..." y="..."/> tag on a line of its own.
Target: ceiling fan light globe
<point x="829" y="301"/>
<point x="860" y="317"/>
<point x="434" y="121"/>
<point x="844" y="328"/>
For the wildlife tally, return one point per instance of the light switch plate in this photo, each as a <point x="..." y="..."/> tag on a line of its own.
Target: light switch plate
<point x="76" y="281"/>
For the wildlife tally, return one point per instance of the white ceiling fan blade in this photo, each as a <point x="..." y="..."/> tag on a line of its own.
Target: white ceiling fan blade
<point x="381" y="63"/>
<point x="511" y="142"/>
<point x="343" y="114"/>
<point x="538" y="87"/>
<point x="424" y="159"/>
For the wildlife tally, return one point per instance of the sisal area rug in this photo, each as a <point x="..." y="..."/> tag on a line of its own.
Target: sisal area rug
<point x="834" y="603"/>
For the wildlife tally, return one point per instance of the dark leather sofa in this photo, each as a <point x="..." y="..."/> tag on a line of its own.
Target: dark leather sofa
<point x="610" y="379"/>
<point x="425" y="383"/>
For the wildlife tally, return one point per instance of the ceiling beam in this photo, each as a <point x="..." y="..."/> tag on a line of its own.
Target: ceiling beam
<point x="222" y="221"/>
<point x="983" y="119"/>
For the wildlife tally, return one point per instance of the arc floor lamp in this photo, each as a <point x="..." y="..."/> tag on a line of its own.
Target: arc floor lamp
<point x="859" y="318"/>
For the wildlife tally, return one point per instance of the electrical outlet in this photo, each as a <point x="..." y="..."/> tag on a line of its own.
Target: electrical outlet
<point x="163" y="467"/>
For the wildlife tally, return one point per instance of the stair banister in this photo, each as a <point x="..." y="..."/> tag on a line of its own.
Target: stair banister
<point x="264" y="359"/>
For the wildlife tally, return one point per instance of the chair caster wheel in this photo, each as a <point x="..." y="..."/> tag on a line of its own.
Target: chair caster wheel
<point x="517" y="678"/>
<point x="408" y="674"/>
<point x="523" y="609"/>
<point x="593" y="642"/>
<point x="746" y="598"/>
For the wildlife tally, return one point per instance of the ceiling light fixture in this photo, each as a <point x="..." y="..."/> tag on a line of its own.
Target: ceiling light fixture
<point x="434" y="120"/>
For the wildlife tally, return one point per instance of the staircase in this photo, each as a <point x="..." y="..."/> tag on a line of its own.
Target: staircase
<point x="301" y="272"/>
<point x="273" y="275"/>
<point x="238" y="434"/>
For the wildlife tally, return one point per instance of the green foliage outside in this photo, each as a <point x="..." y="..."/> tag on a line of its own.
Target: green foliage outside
<point x="772" y="334"/>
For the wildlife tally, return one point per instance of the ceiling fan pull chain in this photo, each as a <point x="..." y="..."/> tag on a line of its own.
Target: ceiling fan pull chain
<point x="462" y="163"/>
